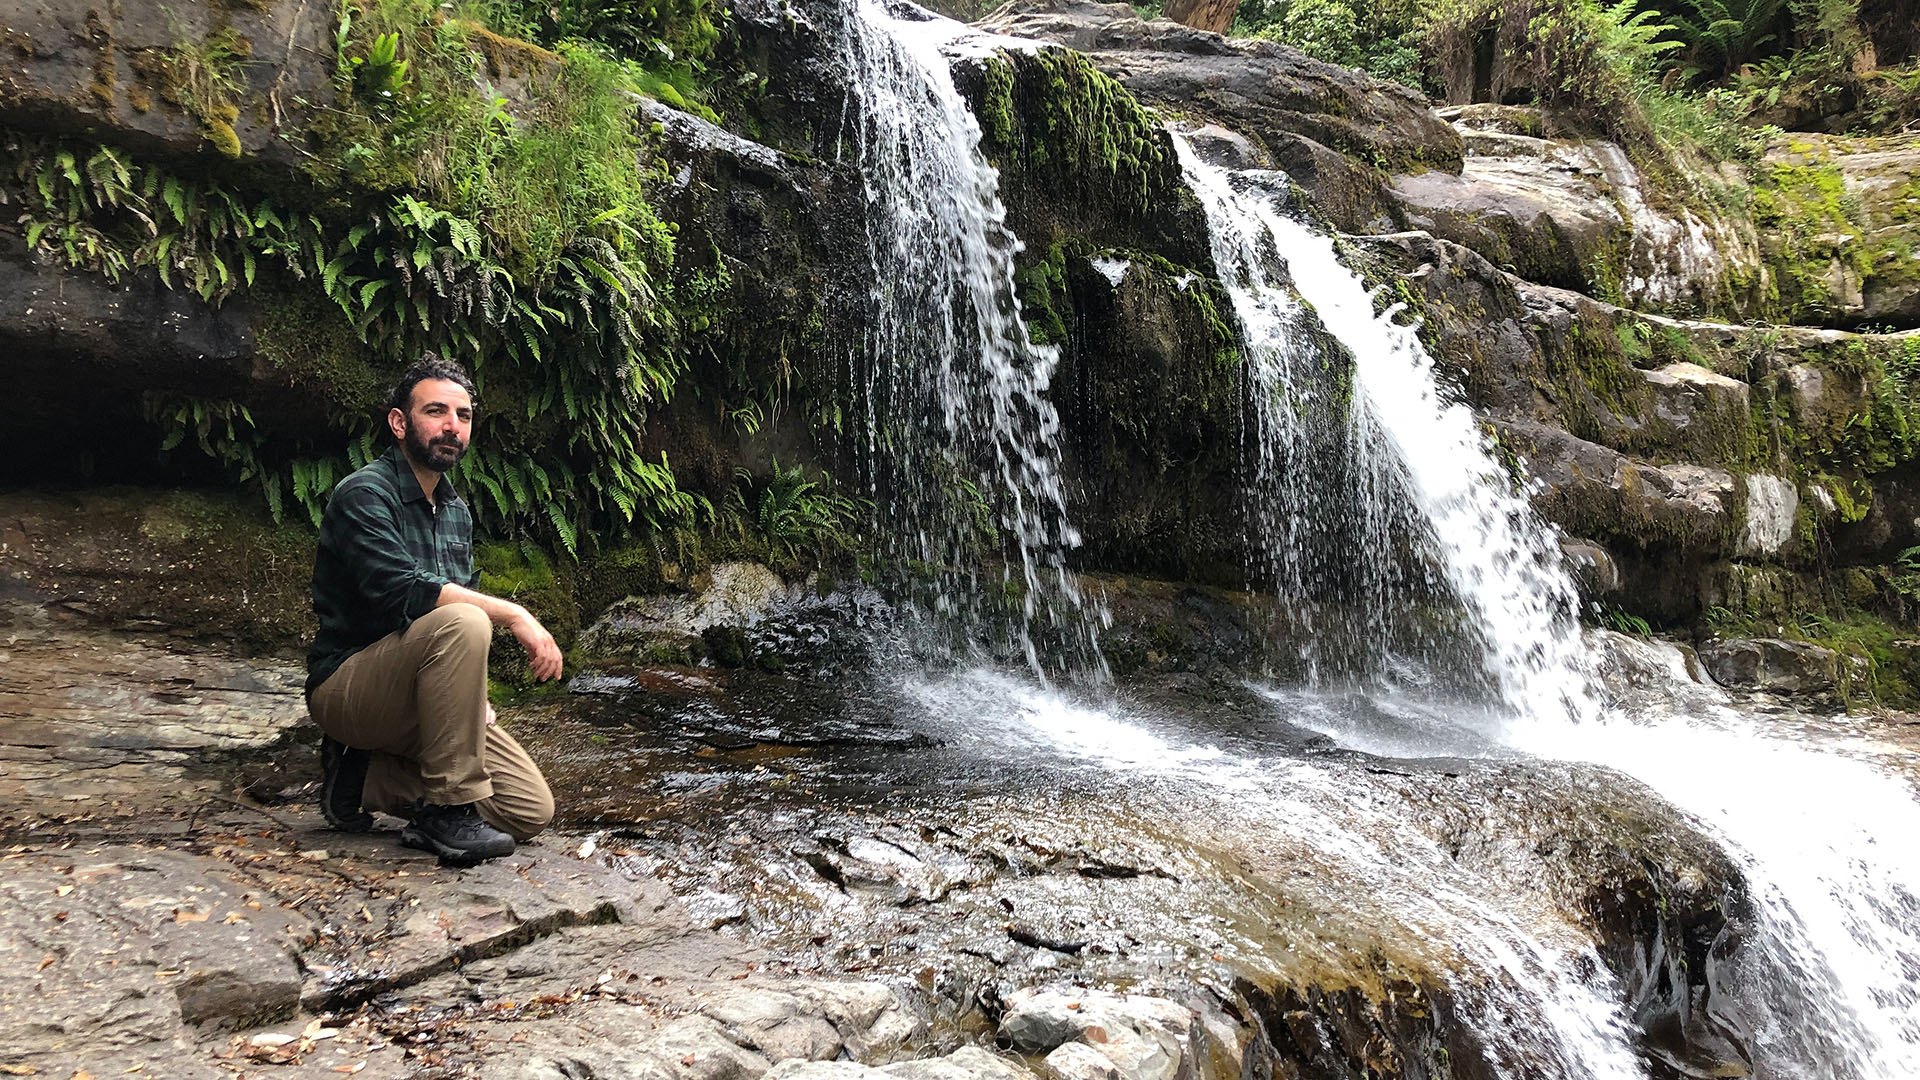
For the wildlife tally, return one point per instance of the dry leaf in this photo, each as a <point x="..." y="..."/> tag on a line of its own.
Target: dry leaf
<point x="62" y="890"/>
<point x="45" y="962"/>
<point x="688" y="1060"/>
<point x="81" y="1074"/>
<point x="19" y="1070"/>
<point x="166" y="972"/>
<point x="350" y="1069"/>
<point x="135" y="1069"/>
<point x="189" y="916"/>
<point x="233" y="917"/>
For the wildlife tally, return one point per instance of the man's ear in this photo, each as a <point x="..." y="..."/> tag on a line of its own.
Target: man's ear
<point x="397" y="423"/>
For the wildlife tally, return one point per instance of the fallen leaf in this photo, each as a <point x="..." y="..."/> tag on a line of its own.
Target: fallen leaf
<point x="135" y="1069"/>
<point x="81" y="1074"/>
<point x="233" y="917"/>
<point x="189" y="916"/>
<point x="19" y="1070"/>
<point x="62" y="890"/>
<point x="688" y="1060"/>
<point x="45" y="962"/>
<point x="350" y="1069"/>
<point x="166" y="973"/>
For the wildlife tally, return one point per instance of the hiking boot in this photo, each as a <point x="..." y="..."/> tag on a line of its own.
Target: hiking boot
<point x="456" y="834"/>
<point x="343" y="777"/>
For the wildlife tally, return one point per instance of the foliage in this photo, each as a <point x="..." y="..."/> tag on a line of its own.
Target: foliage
<point x="668" y="43"/>
<point x="791" y="513"/>
<point x="1619" y="620"/>
<point x="1378" y="37"/>
<point x="408" y="276"/>
<point x="1722" y="36"/>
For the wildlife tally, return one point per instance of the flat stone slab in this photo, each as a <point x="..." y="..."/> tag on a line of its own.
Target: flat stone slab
<point x="88" y="716"/>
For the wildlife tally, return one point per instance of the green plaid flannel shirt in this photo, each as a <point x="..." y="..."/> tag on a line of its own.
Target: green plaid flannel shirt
<point x="385" y="551"/>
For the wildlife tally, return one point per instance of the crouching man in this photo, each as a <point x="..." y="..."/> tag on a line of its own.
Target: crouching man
<point x="397" y="678"/>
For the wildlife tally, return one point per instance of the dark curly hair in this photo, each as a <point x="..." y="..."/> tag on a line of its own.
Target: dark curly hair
<point x="429" y="366"/>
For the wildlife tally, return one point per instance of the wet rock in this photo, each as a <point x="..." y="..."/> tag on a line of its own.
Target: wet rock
<point x="1143" y="1038"/>
<point x="1685" y="394"/>
<point x="1261" y="89"/>
<point x="1597" y="491"/>
<point x="119" y="946"/>
<point x="457" y="916"/>
<point x="818" y="1020"/>
<point x="1078" y="1061"/>
<point x="1593" y="566"/>
<point x="615" y="1042"/>
<point x="179" y="562"/>
<point x="669" y="628"/>
<point x="76" y="68"/>
<point x="1785" y="667"/>
<point x="966" y="1063"/>
<point x="1577" y="215"/>
<point x="1849" y="259"/>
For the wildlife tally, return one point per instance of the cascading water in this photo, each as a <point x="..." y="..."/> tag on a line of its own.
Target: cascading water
<point x="1417" y="468"/>
<point x="959" y="435"/>
<point x="1830" y="978"/>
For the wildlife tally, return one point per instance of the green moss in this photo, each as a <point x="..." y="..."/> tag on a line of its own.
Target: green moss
<point x="304" y="337"/>
<point x="1051" y="112"/>
<point x="1811" y="230"/>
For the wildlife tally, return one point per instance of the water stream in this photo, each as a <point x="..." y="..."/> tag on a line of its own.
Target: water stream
<point x="958" y="433"/>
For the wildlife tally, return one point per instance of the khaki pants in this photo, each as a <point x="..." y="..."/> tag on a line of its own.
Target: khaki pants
<point x="418" y="699"/>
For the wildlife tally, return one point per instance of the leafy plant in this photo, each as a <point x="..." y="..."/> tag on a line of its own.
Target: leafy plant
<point x="792" y="513"/>
<point x="1619" y="621"/>
<point x="1723" y="35"/>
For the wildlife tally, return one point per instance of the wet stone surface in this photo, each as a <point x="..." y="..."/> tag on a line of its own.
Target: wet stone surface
<point x="753" y="871"/>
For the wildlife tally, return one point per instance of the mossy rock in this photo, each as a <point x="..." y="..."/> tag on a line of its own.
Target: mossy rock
<point x="198" y="563"/>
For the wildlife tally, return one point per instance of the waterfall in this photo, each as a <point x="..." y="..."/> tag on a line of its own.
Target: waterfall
<point x="958" y="438"/>
<point x="1425" y="508"/>
<point x="1829" y="975"/>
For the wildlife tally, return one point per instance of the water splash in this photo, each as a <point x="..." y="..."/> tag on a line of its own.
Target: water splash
<point x="1823" y="834"/>
<point x="960" y="441"/>
<point x="1526" y="981"/>
<point x="1431" y="516"/>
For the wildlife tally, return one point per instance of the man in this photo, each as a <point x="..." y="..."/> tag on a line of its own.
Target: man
<point x="397" y="677"/>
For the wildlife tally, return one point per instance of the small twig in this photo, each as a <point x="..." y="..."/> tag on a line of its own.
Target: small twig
<point x="261" y="810"/>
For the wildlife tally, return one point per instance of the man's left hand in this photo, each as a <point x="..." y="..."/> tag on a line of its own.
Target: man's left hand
<point x="540" y="648"/>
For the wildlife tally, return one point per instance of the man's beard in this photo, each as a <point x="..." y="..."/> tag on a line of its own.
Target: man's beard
<point x="438" y="455"/>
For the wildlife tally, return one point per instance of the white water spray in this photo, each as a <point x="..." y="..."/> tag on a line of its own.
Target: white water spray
<point x="1408" y="440"/>
<point x="958" y="424"/>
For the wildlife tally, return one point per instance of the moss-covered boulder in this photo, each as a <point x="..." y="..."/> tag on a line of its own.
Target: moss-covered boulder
<point x="195" y="79"/>
<point x="1841" y="218"/>
<point x="1580" y="214"/>
<point x="1261" y="89"/>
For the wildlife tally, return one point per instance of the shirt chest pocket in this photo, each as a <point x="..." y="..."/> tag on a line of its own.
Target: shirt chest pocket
<point x="458" y="558"/>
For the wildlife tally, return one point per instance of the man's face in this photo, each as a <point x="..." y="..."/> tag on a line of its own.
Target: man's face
<point x="437" y="426"/>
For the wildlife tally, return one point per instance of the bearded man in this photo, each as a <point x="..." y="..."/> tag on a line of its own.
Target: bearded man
<point x="397" y="677"/>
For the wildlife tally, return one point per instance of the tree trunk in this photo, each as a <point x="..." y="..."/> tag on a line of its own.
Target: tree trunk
<point x="1214" y="15"/>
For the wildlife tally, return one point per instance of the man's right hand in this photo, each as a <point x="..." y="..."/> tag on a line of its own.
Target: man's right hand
<point x="539" y="644"/>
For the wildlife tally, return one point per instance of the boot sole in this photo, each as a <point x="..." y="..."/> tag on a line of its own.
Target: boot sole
<point x="413" y="837"/>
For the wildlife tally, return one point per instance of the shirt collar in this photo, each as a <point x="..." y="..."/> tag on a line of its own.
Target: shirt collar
<point x="396" y="460"/>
